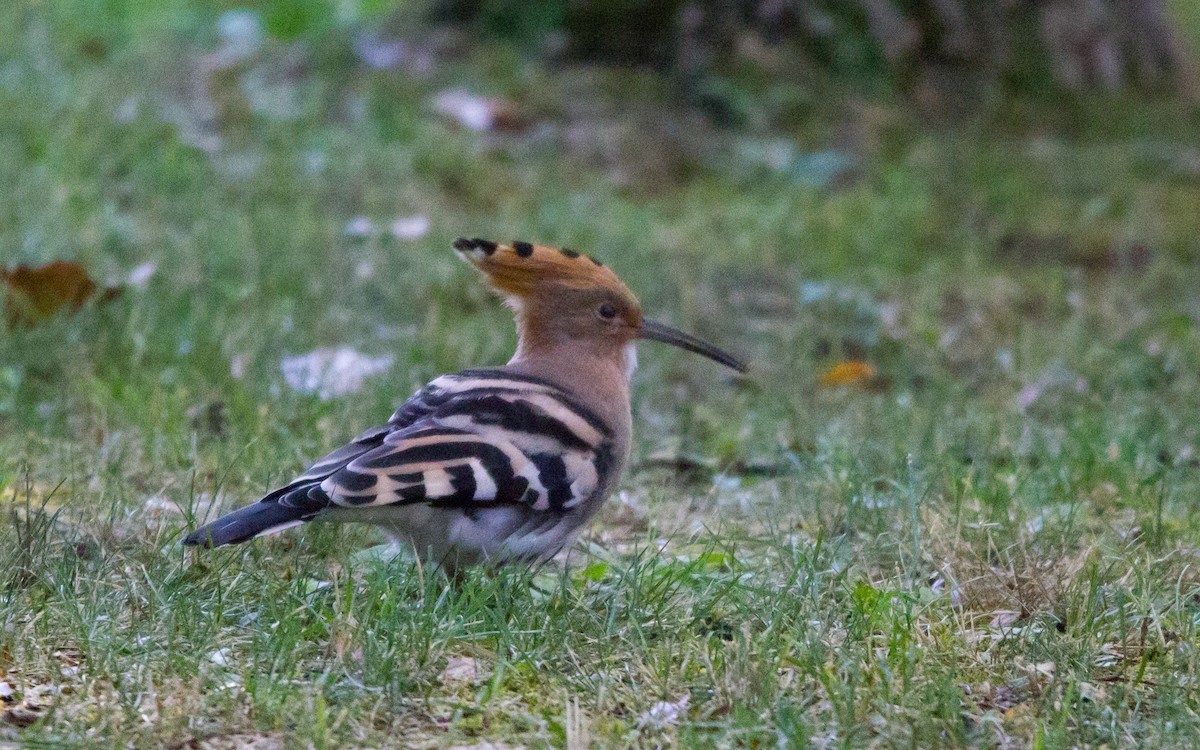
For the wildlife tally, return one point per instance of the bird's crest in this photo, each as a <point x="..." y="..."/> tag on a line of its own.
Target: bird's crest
<point x="522" y="268"/>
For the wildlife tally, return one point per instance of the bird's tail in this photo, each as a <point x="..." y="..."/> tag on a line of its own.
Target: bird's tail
<point x="259" y="519"/>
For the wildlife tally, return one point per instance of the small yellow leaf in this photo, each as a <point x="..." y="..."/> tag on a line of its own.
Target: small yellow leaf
<point x="848" y="372"/>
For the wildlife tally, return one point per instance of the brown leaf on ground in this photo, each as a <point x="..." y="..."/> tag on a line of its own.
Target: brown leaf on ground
<point x="20" y="716"/>
<point x="34" y="294"/>
<point x="27" y="711"/>
<point x="1029" y="248"/>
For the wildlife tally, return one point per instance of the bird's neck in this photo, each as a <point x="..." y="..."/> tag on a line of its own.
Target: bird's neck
<point x="597" y="376"/>
<point x="577" y="367"/>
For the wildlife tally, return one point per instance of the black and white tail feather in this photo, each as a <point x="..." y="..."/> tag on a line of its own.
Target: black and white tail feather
<point x="465" y="442"/>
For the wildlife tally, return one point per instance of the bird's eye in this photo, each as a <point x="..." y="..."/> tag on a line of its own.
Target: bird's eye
<point x="608" y="310"/>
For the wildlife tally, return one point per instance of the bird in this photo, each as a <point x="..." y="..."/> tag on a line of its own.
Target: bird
<point x="494" y="465"/>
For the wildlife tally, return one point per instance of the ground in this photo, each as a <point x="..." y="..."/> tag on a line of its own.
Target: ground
<point x="984" y="536"/>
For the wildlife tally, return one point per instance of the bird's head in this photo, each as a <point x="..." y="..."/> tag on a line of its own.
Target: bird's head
<point x="562" y="297"/>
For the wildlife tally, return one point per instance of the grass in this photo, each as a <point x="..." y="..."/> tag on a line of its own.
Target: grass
<point x="992" y="544"/>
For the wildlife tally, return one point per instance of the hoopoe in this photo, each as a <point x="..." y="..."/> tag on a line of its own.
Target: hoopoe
<point x="493" y="465"/>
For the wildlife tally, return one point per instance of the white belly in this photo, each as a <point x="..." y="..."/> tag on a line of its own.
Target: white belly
<point x="453" y="538"/>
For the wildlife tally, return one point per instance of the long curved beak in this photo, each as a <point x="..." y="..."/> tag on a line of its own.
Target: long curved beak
<point x="656" y="331"/>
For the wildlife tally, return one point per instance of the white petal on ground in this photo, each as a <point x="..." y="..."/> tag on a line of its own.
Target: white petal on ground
<point x="1056" y="377"/>
<point x="241" y="33"/>
<point x="471" y="111"/>
<point x="127" y="111"/>
<point x="140" y="276"/>
<point x="332" y="372"/>
<point x="665" y="713"/>
<point x="237" y="366"/>
<point x="378" y="53"/>
<point x="410" y="227"/>
<point x="359" y="226"/>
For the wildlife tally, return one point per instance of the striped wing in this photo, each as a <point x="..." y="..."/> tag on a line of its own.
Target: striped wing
<point x="477" y="438"/>
<point x="483" y="437"/>
<point x="471" y="439"/>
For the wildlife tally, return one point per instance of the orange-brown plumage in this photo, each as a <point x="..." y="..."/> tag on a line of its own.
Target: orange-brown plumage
<point x="571" y="305"/>
<point x="522" y="267"/>
<point x="555" y="294"/>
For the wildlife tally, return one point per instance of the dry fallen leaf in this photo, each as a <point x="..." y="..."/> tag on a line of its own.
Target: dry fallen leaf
<point x="847" y="373"/>
<point x="1041" y="672"/>
<point x="20" y="716"/>
<point x="1091" y="692"/>
<point x="459" y="670"/>
<point x="33" y="294"/>
<point x="29" y="710"/>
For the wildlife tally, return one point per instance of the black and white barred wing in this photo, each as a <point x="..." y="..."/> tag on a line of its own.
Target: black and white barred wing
<point x="432" y="464"/>
<point x="468" y="440"/>
<point x="489" y="440"/>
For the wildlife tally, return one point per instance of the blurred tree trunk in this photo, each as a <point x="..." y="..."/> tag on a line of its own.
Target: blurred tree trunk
<point x="1109" y="43"/>
<point x="1105" y="44"/>
<point x="948" y="55"/>
<point x="1072" y="44"/>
